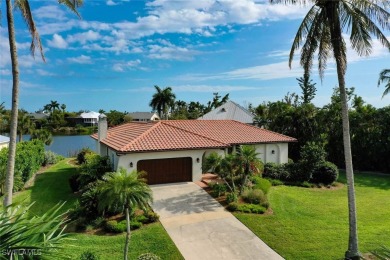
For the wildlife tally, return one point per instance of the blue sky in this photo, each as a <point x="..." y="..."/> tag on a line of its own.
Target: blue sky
<point x="117" y="52"/>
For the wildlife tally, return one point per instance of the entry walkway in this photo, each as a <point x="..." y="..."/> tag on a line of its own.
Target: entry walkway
<point x="202" y="229"/>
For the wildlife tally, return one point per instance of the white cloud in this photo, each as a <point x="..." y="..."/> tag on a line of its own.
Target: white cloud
<point x="42" y="72"/>
<point x="122" y="66"/>
<point x="82" y="59"/>
<point x="49" y="12"/>
<point x="210" y="88"/>
<point x="57" y="42"/>
<point x="84" y="37"/>
<point x="110" y="2"/>
<point x="5" y="72"/>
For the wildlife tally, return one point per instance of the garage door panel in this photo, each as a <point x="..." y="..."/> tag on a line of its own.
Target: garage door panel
<point x="167" y="170"/>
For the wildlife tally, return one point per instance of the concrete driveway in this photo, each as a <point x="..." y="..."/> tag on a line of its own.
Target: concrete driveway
<point x="201" y="228"/>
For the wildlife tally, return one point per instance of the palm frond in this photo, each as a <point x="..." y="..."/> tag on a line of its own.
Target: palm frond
<point x="72" y="5"/>
<point x="24" y="8"/>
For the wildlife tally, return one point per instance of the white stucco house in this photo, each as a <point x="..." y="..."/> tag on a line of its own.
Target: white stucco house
<point x="143" y="116"/>
<point x="4" y="141"/>
<point x="90" y="118"/>
<point x="172" y="150"/>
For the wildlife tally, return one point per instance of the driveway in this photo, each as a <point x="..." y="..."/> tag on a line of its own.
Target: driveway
<point x="201" y="228"/>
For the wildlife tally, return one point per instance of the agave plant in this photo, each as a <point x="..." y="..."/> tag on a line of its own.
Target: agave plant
<point x="26" y="237"/>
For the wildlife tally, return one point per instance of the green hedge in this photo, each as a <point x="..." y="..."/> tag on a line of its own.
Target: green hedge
<point x="29" y="158"/>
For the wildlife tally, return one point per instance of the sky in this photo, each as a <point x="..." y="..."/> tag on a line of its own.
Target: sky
<point x="118" y="51"/>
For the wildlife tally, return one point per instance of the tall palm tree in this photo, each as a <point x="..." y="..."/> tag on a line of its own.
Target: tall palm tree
<point x="127" y="189"/>
<point x="384" y="77"/>
<point x="25" y="125"/>
<point x="321" y="30"/>
<point x="63" y="107"/>
<point x="162" y="100"/>
<point x="24" y="7"/>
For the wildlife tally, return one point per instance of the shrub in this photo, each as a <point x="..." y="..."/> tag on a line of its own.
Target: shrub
<point x="276" y="182"/>
<point x="113" y="226"/>
<point x="271" y="170"/>
<point x="233" y="206"/>
<point x="255" y="196"/>
<point x="93" y="169"/>
<point x="148" y="256"/>
<point x="218" y="190"/>
<point x="299" y="172"/>
<point x="312" y="155"/>
<point x="142" y="219"/>
<point x="74" y="183"/>
<point x="231" y="197"/>
<point x="151" y="216"/>
<point x="261" y="183"/>
<point x="251" y="208"/>
<point x="99" y="222"/>
<point x="51" y="158"/>
<point x="325" y="173"/>
<point x="88" y="255"/>
<point x="133" y="224"/>
<point x="81" y="155"/>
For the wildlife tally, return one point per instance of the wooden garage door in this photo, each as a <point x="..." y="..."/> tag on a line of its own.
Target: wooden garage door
<point x="167" y="170"/>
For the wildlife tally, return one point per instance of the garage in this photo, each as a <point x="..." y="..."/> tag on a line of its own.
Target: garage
<point x="167" y="170"/>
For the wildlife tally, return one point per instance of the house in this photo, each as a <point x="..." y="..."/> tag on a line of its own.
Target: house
<point x="229" y="111"/>
<point x="143" y="116"/>
<point x="90" y="118"/>
<point x="4" y="141"/>
<point x="173" y="150"/>
<point x="38" y="116"/>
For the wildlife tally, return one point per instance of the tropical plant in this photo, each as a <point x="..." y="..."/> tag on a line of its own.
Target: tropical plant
<point x="25" y="237"/>
<point x="42" y="134"/>
<point x="25" y="125"/>
<point x="321" y="30"/>
<point x="384" y="77"/>
<point x="24" y="7"/>
<point x="162" y="101"/>
<point x="127" y="189"/>
<point x="248" y="162"/>
<point x="308" y="88"/>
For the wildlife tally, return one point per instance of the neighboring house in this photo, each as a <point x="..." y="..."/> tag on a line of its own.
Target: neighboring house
<point x="143" y="116"/>
<point x="173" y="150"/>
<point x="38" y="116"/>
<point x="90" y="118"/>
<point x="4" y="141"/>
<point x="229" y="111"/>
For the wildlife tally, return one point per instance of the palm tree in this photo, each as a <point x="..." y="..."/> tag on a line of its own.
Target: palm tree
<point x="248" y="162"/>
<point x="384" y="77"/>
<point x="162" y="101"/>
<point x="127" y="189"/>
<point x="24" y="7"/>
<point x="321" y="30"/>
<point x="25" y="125"/>
<point x="63" y="107"/>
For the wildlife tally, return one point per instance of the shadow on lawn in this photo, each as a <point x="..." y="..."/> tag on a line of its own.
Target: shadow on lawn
<point x="52" y="187"/>
<point x="369" y="179"/>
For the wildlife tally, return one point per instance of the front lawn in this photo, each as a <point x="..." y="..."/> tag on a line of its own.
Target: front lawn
<point x="313" y="223"/>
<point x="52" y="187"/>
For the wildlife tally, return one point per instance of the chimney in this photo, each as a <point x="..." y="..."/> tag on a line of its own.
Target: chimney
<point x="102" y="130"/>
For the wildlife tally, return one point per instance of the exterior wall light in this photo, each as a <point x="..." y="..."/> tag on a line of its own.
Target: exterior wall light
<point x="273" y="151"/>
<point x="131" y="164"/>
<point x="197" y="160"/>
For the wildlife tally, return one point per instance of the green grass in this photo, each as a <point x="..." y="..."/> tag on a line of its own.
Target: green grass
<point x="313" y="223"/>
<point x="52" y="187"/>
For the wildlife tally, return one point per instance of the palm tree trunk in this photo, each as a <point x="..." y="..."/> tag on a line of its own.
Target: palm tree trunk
<point x="126" y="252"/>
<point x="339" y="55"/>
<point x="9" y="181"/>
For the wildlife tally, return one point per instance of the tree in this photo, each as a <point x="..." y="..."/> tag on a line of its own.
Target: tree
<point x="162" y="100"/>
<point x="127" y="189"/>
<point x="308" y="88"/>
<point x="248" y="162"/>
<point x="63" y="107"/>
<point x="42" y="134"/>
<point x="24" y="7"/>
<point x="321" y="30"/>
<point x="384" y="77"/>
<point x="25" y="125"/>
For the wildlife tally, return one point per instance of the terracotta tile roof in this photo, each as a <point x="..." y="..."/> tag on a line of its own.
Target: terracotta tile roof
<point x="186" y="134"/>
